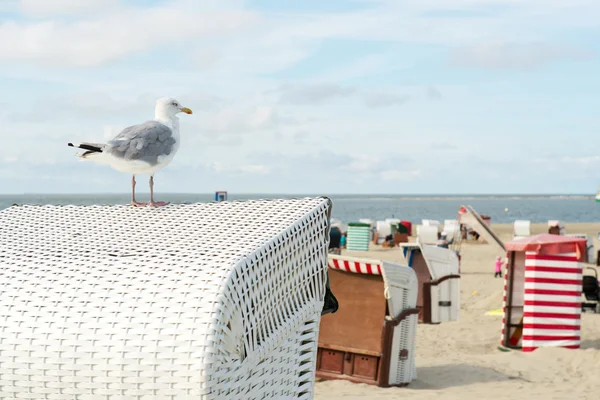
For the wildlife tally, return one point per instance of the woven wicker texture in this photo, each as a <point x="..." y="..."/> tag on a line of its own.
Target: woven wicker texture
<point x="200" y="301"/>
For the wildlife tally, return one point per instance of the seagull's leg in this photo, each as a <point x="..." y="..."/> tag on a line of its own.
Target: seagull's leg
<point x="152" y="202"/>
<point x="133" y="202"/>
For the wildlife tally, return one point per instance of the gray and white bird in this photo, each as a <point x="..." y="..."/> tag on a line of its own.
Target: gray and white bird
<point x="141" y="149"/>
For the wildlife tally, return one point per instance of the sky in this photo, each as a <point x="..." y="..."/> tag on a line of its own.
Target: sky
<point x="323" y="97"/>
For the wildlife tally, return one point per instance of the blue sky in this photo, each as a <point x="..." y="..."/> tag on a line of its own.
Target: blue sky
<point x="355" y="96"/>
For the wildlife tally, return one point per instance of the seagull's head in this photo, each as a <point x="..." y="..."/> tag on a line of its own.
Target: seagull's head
<point x="169" y="107"/>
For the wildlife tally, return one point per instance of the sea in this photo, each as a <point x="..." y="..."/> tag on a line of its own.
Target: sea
<point x="349" y="208"/>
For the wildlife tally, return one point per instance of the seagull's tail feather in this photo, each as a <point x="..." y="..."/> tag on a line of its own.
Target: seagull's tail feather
<point x="93" y="150"/>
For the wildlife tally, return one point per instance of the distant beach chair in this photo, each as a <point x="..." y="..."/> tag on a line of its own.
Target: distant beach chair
<point x="401" y="235"/>
<point x="437" y="270"/>
<point x="521" y="229"/>
<point x="384" y="229"/>
<point x="373" y="226"/>
<point x="427" y="234"/>
<point x="408" y="226"/>
<point x="221" y="196"/>
<point x="479" y="227"/>
<point x="432" y="222"/>
<point x="203" y="301"/>
<point x="556" y="228"/>
<point x="393" y="222"/>
<point x="452" y="229"/>
<point x="358" y="236"/>
<point x="542" y="296"/>
<point x="378" y="349"/>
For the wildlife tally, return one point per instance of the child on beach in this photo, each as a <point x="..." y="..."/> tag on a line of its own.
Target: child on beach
<point x="498" y="269"/>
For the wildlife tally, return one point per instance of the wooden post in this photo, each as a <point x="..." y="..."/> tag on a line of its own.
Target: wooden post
<point x="509" y="292"/>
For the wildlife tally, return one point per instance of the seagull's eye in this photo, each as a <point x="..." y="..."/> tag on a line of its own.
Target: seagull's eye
<point x="175" y="104"/>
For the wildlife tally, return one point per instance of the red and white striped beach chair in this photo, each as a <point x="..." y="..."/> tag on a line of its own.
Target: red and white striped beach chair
<point x="542" y="292"/>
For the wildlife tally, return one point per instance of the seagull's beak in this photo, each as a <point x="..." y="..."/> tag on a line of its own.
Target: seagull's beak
<point x="185" y="110"/>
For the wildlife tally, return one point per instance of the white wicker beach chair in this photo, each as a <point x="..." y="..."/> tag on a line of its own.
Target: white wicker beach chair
<point x="200" y="301"/>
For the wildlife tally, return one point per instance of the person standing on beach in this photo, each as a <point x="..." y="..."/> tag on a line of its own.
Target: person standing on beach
<point x="498" y="268"/>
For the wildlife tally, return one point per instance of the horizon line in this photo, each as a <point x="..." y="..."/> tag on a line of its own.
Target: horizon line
<point x="296" y="194"/>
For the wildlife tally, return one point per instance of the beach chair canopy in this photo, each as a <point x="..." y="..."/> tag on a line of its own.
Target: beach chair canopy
<point x="549" y="244"/>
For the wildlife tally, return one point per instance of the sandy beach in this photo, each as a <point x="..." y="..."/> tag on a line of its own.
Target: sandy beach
<point x="461" y="360"/>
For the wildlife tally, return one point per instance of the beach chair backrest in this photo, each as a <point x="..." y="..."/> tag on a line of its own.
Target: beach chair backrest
<point x="427" y="234"/>
<point x="401" y="288"/>
<point x="384" y="228"/>
<point x="522" y="228"/>
<point x="452" y="229"/>
<point x="441" y="261"/>
<point x="590" y="254"/>
<point x="444" y="288"/>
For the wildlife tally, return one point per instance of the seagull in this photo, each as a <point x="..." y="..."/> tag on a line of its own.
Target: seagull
<point x="141" y="149"/>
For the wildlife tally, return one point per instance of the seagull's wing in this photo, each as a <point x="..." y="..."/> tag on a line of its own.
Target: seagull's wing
<point x="147" y="142"/>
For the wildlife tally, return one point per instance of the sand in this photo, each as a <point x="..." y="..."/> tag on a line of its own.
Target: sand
<point x="461" y="360"/>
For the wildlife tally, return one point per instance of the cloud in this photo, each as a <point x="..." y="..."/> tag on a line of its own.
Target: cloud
<point x="378" y="100"/>
<point x="359" y="163"/>
<point x="321" y="93"/>
<point x="568" y="164"/>
<point x="91" y="105"/>
<point x="301" y="137"/>
<point x="104" y="107"/>
<point x="255" y="169"/>
<point x="45" y="8"/>
<point x="253" y="51"/>
<point x="516" y="55"/>
<point x="433" y="93"/>
<point x="239" y="119"/>
<point x="312" y="94"/>
<point x="96" y="41"/>
<point x="336" y="163"/>
<point x="246" y="169"/>
<point x="227" y="33"/>
<point x="583" y="160"/>
<point x="400" y="175"/>
<point x="377" y="21"/>
<point x="443" y="146"/>
<point x="385" y="169"/>
<point x="206" y="59"/>
<point x="10" y="159"/>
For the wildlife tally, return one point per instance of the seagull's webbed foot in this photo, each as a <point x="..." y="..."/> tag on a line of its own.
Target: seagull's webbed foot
<point x="138" y="203"/>
<point x="157" y="203"/>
